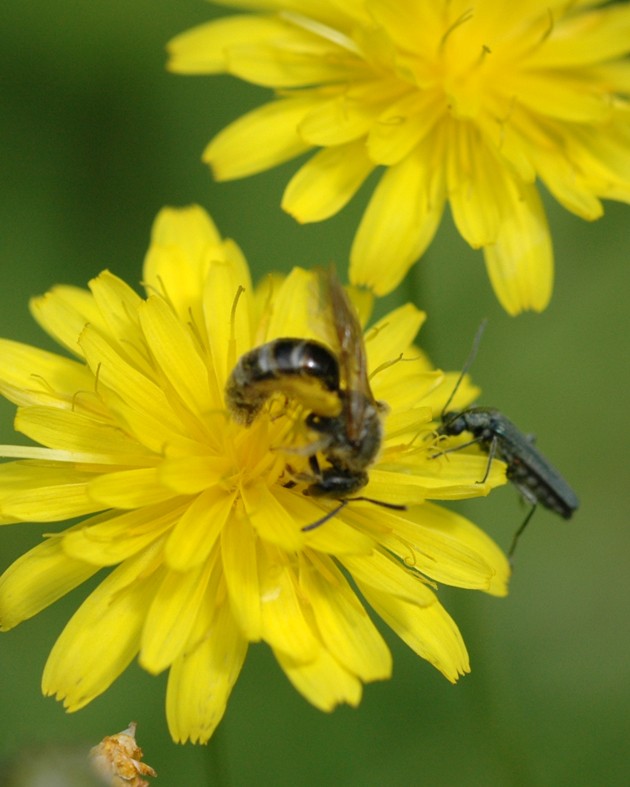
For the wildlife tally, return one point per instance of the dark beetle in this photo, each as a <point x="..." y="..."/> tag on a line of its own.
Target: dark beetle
<point x="527" y="468"/>
<point x="529" y="471"/>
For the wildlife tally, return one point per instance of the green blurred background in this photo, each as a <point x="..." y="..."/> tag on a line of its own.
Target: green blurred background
<point x="95" y="137"/>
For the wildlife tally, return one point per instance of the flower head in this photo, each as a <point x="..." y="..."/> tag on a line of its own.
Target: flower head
<point x="470" y="103"/>
<point x="201" y="520"/>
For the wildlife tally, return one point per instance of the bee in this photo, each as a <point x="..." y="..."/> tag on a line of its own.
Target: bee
<point x="350" y="440"/>
<point x="538" y="482"/>
<point x="349" y="435"/>
<point x="287" y="365"/>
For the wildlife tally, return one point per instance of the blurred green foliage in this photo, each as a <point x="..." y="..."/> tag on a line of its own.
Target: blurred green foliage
<point x="95" y="137"/>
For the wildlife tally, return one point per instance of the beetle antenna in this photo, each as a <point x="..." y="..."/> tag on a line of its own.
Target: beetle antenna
<point x="467" y="364"/>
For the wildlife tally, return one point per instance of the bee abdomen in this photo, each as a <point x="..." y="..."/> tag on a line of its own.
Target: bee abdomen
<point x="261" y="371"/>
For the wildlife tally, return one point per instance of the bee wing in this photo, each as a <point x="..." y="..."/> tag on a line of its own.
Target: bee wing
<point x="352" y="355"/>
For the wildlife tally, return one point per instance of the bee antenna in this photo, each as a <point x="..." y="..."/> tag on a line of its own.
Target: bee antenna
<point x="467" y="364"/>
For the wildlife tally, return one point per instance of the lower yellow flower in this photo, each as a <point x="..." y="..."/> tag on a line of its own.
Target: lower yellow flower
<point x="201" y="519"/>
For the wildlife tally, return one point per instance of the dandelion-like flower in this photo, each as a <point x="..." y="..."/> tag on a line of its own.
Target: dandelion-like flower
<point x="200" y="519"/>
<point x="470" y="103"/>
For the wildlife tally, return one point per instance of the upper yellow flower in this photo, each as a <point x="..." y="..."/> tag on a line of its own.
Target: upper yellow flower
<point x="200" y="518"/>
<point x="466" y="102"/>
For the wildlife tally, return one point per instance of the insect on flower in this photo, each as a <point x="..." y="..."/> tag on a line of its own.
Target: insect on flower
<point x="350" y="438"/>
<point x="528" y="470"/>
<point x="283" y="364"/>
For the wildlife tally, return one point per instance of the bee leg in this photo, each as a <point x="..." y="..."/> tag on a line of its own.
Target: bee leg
<point x="306" y="478"/>
<point x="314" y="465"/>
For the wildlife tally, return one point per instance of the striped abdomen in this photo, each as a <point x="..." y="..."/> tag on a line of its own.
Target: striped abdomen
<point x="283" y="365"/>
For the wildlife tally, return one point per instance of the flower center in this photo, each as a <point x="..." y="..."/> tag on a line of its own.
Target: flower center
<point x="268" y="451"/>
<point x="464" y="67"/>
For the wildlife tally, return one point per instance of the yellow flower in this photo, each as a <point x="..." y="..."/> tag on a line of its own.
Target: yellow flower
<point x="200" y="519"/>
<point x="467" y="102"/>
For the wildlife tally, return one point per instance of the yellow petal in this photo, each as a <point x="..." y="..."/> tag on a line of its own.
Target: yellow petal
<point x="273" y="523"/>
<point x="336" y="537"/>
<point x="204" y="49"/>
<point x="344" y="626"/>
<point x="520" y="263"/>
<point x="327" y="182"/>
<point x="128" y="489"/>
<point x="284" y="625"/>
<point x="198" y="529"/>
<point x="403" y="125"/>
<point x="29" y="375"/>
<point x="63" y="312"/>
<point x="151" y="410"/>
<point x="292" y="306"/>
<point x="348" y="116"/>
<point x="563" y="97"/>
<point x="437" y="396"/>
<point x="227" y="312"/>
<point x="172" y="616"/>
<point x="108" y="539"/>
<point x="602" y="159"/>
<point x="446" y="547"/>
<point x="171" y="345"/>
<point x="322" y="681"/>
<point x="387" y="576"/>
<point x="183" y="242"/>
<point x="118" y="305"/>
<point x="259" y="140"/>
<point x="602" y="34"/>
<point x="396" y="330"/>
<point x="299" y="59"/>
<point x="478" y="185"/>
<point x="44" y="492"/>
<point x="190" y="474"/>
<point x="79" y="667"/>
<point x="403" y="385"/>
<point x="455" y="476"/>
<point x="37" y="579"/>
<point x="71" y="431"/>
<point x="399" y="223"/>
<point x="240" y="567"/>
<point x="428" y="630"/>
<point x="200" y="680"/>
